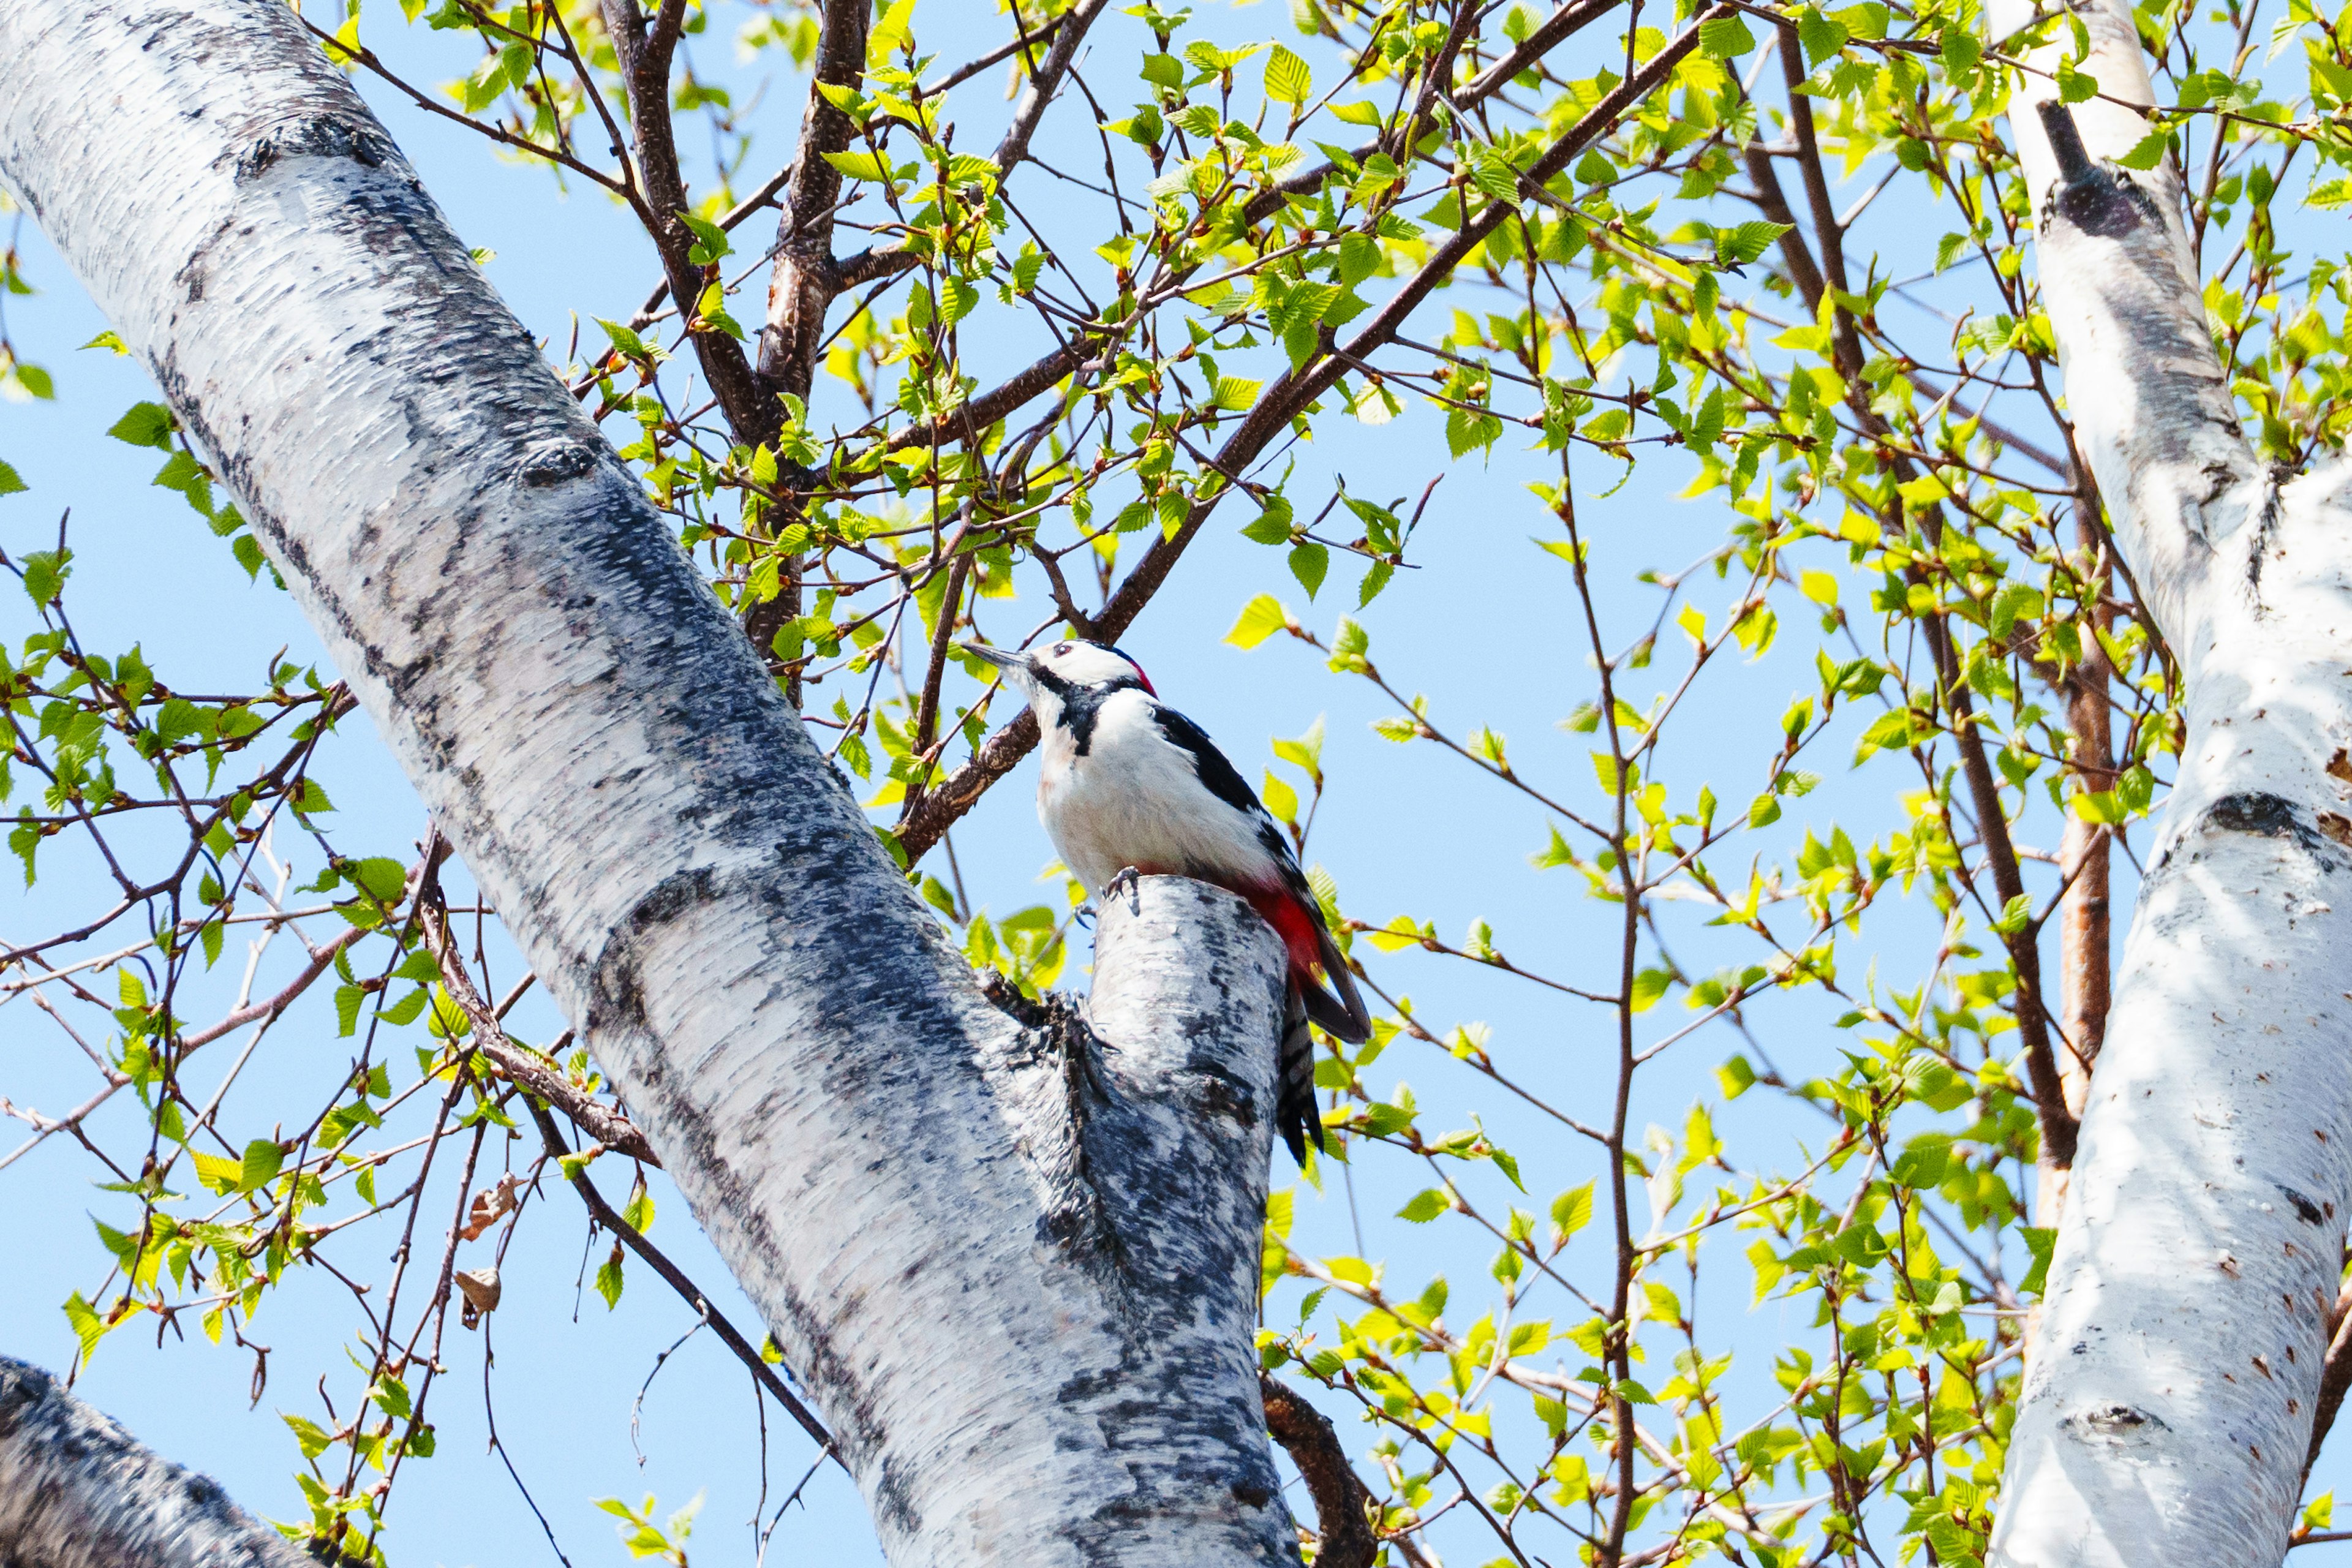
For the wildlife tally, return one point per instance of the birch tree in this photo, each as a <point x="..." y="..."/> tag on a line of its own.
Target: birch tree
<point x="1974" y="343"/>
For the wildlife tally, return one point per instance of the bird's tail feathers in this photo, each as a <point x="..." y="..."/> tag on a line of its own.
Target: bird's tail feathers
<point x="1348" y="1017"/>
<point x="1294" y="1112"/>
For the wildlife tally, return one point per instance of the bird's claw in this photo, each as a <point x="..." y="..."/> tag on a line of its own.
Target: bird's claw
<point x="1131" y="882"/>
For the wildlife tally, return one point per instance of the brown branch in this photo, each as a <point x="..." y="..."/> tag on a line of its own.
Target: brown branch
<point x="645" y="53"/>
<point x="2047" y="1082"/>
<point x="2045" y="1078"/>
<point x="343" y="53"/>
<point x="2086" y="853"/>
<point x="1343" y="1504"/>
<point x="629" y="1237"/>
<point x="764" y="197"/>
<point x="961" y="790"/>
<point x="319" y="959"/>
<point x="2334" y="1378"/>
<point x="1045" y="81"/>
<point x="873" y="265"/>
<point x="926" y="714"/>
<point x="1000" y="402"/>
<point x="802" y="287"/>
<point x="1273" y="414"/>
<point x="804" y="282"/>
<point x="996" y="56"/>
<point x="517" y="1063"/>
<point x="1828" y="233"/>
<point x="1553" y="30"/>
<point x="1773" y="203"/>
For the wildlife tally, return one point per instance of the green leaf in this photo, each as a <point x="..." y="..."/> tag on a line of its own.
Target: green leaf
<point x="608" y="1277"/>
<point x="1725" y="38"/>
<point x="86" y="1326"/>
<point x="1308" y="562"/>
<point x="1260" y="619"/>
<point x="1427" y="1205"/>
<point x="2146" y="152"/>
<point x="147" y="425"/>
<point x="639" y="1216"/>
<point x="1820" y="37"/>
<point x="9" y="482"/>
<point x="868" y="166"/>
<point x="1287" y="79"/>
<point x="221" y="1175"/>
<point x="624" y="338"/>
<point x="1237" y="393"/>
<point x="263" y="1159"/>
<point x="1572" y="1211"/>
<point x="2037" y="1242"/>
<point x="2014" y="915"/>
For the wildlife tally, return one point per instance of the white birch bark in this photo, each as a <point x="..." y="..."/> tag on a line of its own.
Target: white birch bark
<point x="1030" y="1329"/>
<point x="78" y="1491"/>
<point x="2168" y="1406"/>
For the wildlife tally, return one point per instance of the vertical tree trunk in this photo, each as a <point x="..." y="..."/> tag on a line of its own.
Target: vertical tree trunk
<point x="2165" y="1417"/>
<point x="1016" y="1289"/>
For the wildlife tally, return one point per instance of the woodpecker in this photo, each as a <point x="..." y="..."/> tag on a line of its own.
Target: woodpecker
<point x="1131" y="787"/>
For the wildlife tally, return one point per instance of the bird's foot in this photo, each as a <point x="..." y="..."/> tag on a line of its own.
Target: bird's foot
<point x="1131" y="882"/>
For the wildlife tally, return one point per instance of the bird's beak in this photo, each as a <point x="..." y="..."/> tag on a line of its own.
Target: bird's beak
<point x="1015" y="665"/>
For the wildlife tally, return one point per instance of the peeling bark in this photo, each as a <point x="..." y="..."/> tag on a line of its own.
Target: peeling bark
<point x="1014" y="1266"/>
<point x="2167" y="1413"/>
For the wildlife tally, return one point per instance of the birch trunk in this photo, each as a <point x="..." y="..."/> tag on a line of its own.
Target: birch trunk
<point x="1020" y="1284"/>
<point x="78" y="1491"/>
<point x="2166" y="1411"/>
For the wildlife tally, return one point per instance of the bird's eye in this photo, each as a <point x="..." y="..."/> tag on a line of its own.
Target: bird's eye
<point x="1062" y="648"/>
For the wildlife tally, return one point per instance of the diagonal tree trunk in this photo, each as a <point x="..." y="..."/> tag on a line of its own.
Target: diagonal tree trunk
<point x="78" y="1491"/>
<point x="2165" y="1417"/>
<point x="1014" y="1265"/>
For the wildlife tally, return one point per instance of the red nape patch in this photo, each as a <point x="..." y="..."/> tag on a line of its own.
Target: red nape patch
<point x="1138" y="669"/>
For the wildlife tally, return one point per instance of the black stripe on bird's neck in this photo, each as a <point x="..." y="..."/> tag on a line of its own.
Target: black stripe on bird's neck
<point x="1081" y="705"/>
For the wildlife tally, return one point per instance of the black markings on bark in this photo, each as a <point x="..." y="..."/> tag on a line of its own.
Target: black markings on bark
<point x="2271" y="816"/>
<point x="324" y="135"/>
<point x="552" y="465"/>
<point x="2304" y="1209"/>
<point x="2096" y="198"/>
<point x="89" y="1496"/>
<point x="2115" y="1422"/>
<point x="1077" y="1223"/>
<point x="2265" y="528"/>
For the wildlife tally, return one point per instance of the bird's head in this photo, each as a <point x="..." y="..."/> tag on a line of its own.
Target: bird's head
<point x="1059" y="671"/>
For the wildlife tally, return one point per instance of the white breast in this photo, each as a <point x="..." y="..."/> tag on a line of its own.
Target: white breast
<point x="1136" y="799"/>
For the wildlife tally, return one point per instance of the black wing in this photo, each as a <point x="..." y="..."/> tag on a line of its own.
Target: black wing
<point x="1215" y="772"/>
<point x="1345" y="1014"/>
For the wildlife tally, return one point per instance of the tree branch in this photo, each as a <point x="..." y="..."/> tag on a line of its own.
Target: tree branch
<point x="2335" y="1380"/>
<point x="518" y="1065"/>
<point x="1342" y="1501"/>
<point x="2151" y="407"/>
<point x="645" y="56"/>
<point x="1272" y="414"/>
<point x="675" y="1278"/>
<point x="1045" y="81"/>
<point x="803" y="282"/>
<point x="891" y="1166"/>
